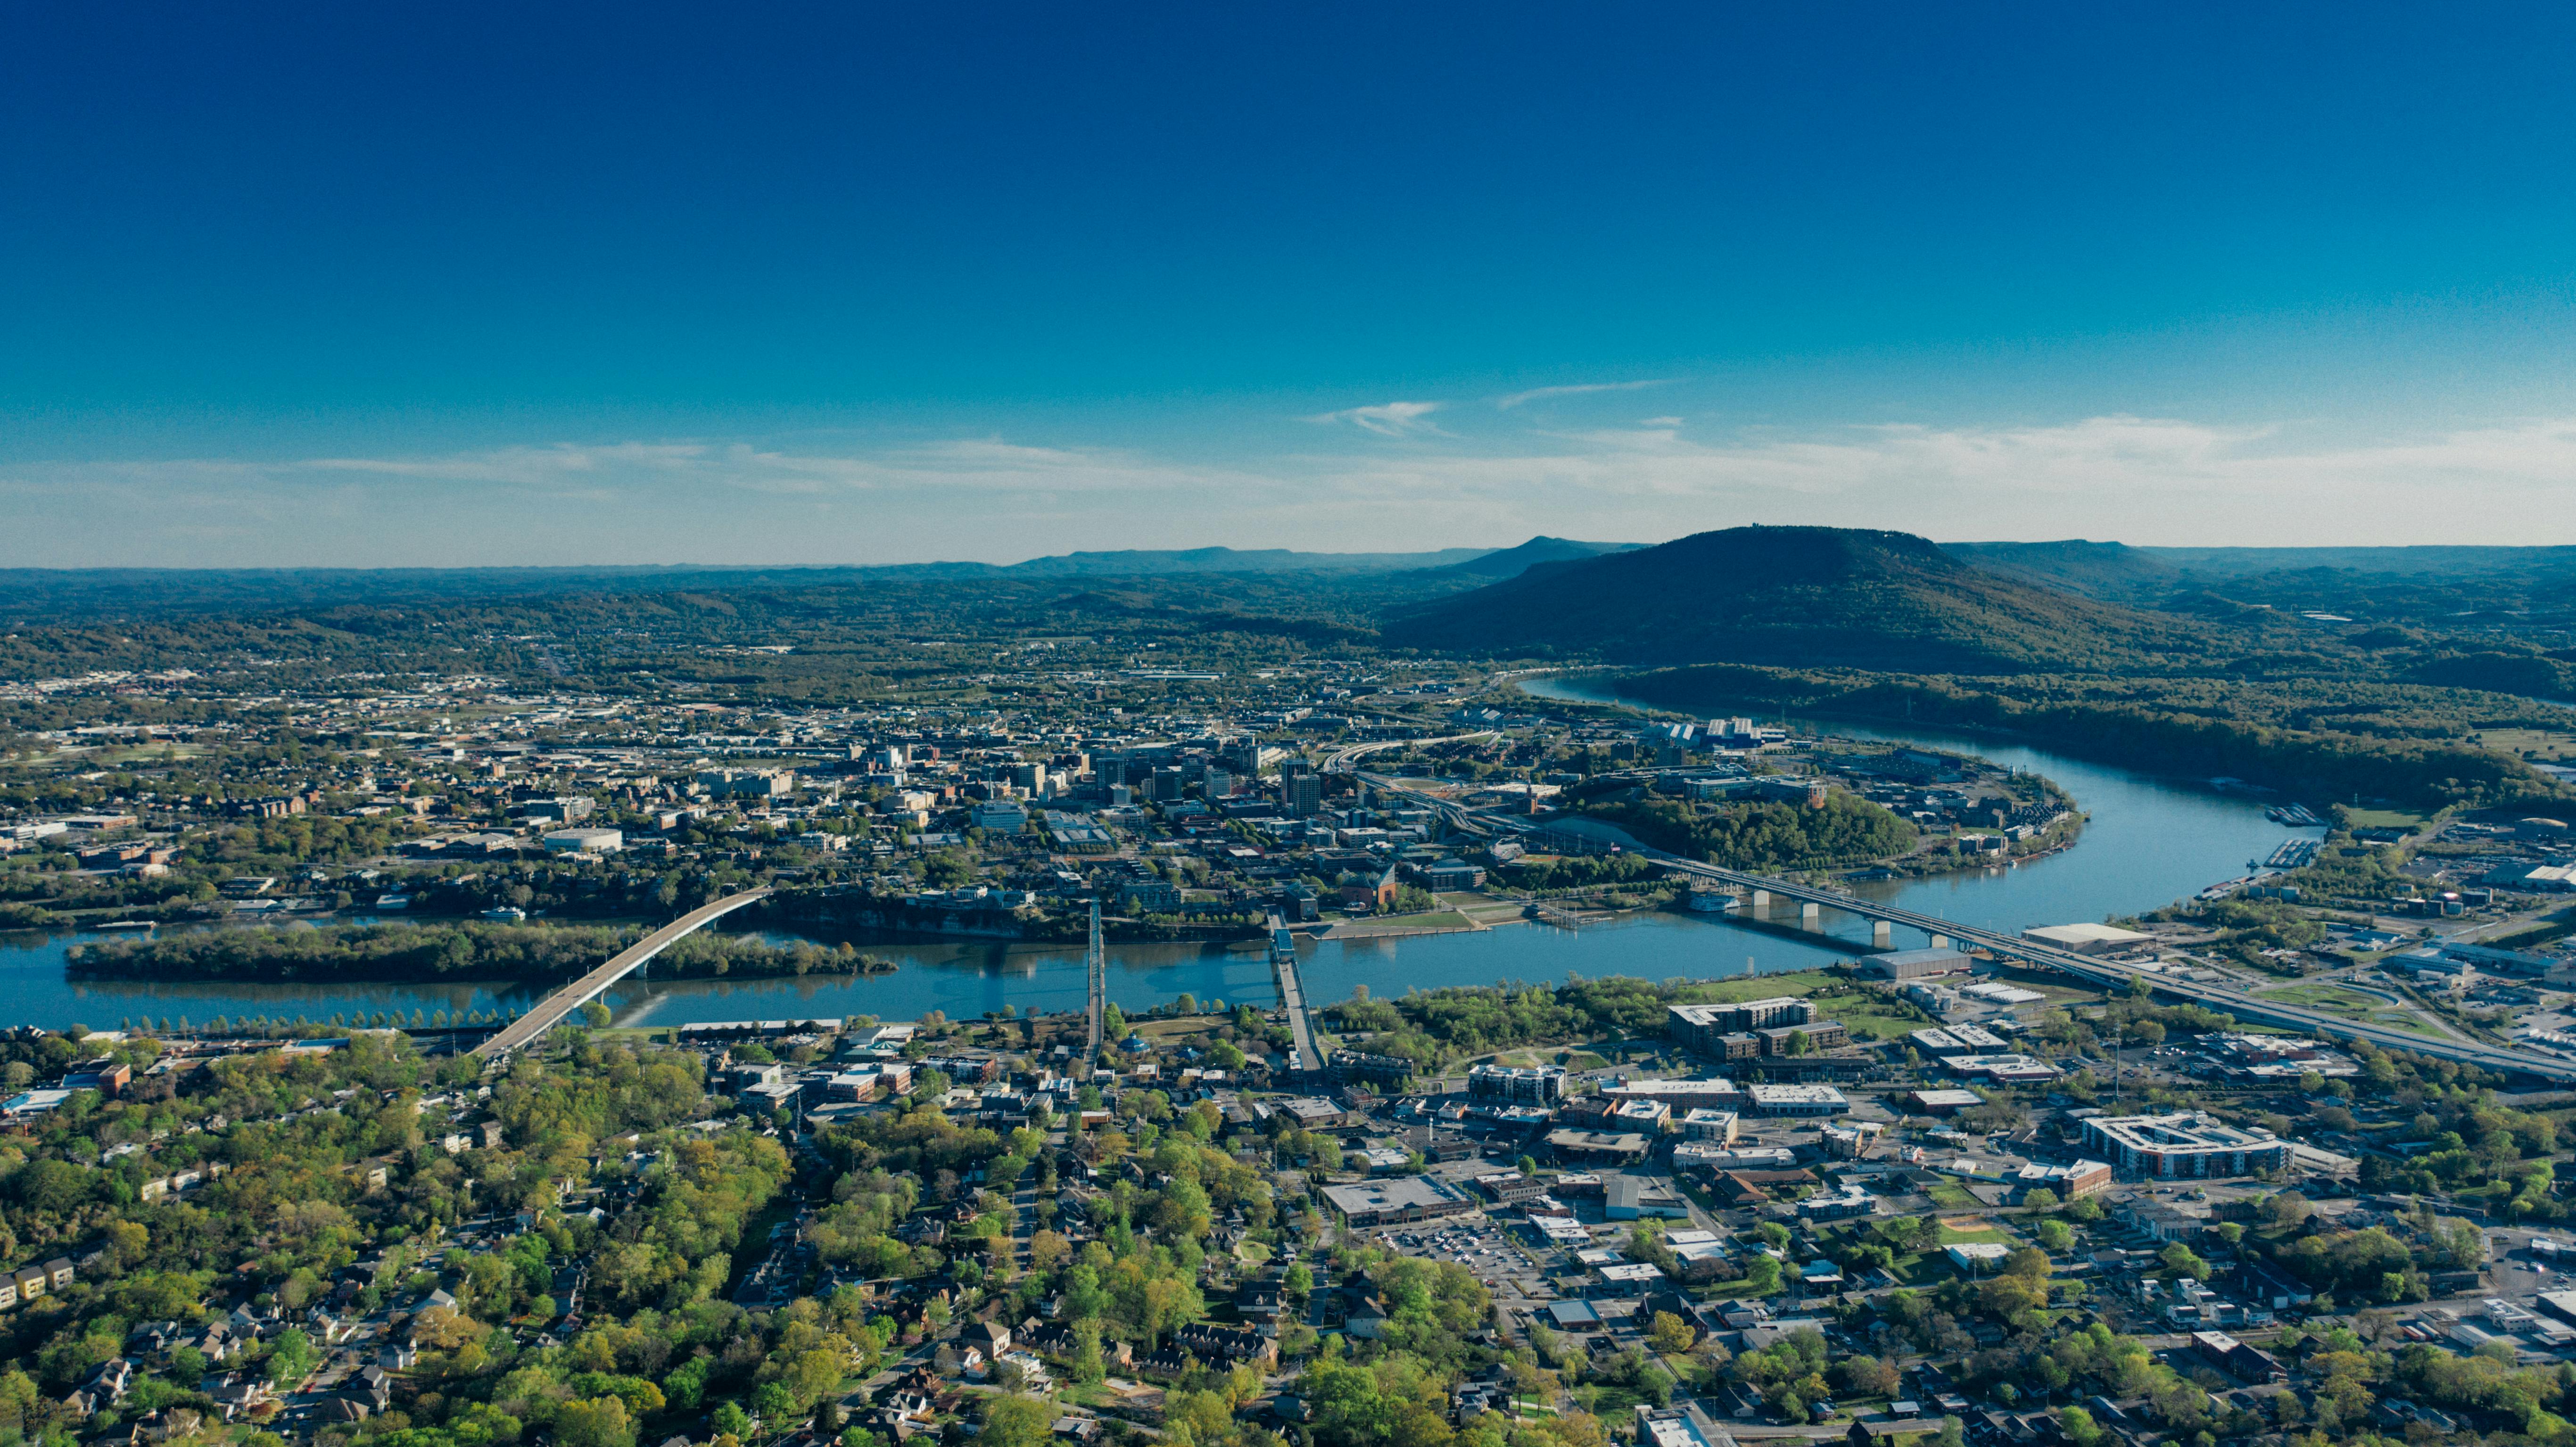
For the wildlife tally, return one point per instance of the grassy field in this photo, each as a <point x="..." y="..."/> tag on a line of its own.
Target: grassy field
<point x="2351" y="1005"/>
<point x="2386" y="818"/>
<point x="1172" y="1030"/>
<point x="1911" y="1268"/>
<point x="1867" y="1019"/>
<point x="1763" y="987"/>
<point x="1398" y="924"/>
<point x="1571" y="1059"/>
<point x="1951" y="1196"/>
<point x="1866" y="1016"/>
<point x="2528" y="743"/>
<point x="2057" y="988"/>
<point x="2532" y="937"/>
<point x="1956" y="1229"/>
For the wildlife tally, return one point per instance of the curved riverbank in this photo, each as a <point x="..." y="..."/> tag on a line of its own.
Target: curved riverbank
<point x="2149" y="842"/>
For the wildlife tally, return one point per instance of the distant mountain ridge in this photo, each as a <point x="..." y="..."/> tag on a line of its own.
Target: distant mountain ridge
<point x="2431" y="583"/>
<point x="1794" y="597"/>
<point x="66" y="592"/>
<point x="2121" y="572"/>
<point x="1512" y="562"/>
<point x="2112" y="571"/>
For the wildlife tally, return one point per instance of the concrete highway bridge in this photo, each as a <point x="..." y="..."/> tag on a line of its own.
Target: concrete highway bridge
<point x="2243" y="1006"/>
<point x="554" y="1009"/>
<point x="2251" y="1008"/>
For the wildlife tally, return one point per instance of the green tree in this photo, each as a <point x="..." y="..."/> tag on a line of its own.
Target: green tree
<point x="1088" y="1367"/>
<point x="1014" y="1421"/>
<point x="291" y="1358"/>
<point x="596" y="1016"/>
<point x="1669" y="1334"/>
<point x="2181" y="1260"/>
<point x="596" y="1422"/>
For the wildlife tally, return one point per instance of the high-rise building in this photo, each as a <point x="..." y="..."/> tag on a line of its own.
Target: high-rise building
<point x="1303" y="792"/>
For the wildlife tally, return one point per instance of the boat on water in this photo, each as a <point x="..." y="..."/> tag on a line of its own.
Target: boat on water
<point x="393" y="901"/>
<point x="125" y="924"/>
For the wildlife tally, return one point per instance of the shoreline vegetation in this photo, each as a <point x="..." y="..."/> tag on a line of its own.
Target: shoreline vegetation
<point x="413" y="953"/>
<point x="2398" y="747"/>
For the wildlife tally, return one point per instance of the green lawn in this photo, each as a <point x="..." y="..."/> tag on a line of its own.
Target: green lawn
<point x="1866" y="1019"/>
<point x="2055" y="987"/>
<point x="1396" y="924"/>
<point x="2385" y="818"/>
<point x="1866" y="1016"/>
<point x="1761" y="987"/>
<point x="2351" y="1005"/>
<point x="2331" y="998"/>
<point x="1949" y="1195"/>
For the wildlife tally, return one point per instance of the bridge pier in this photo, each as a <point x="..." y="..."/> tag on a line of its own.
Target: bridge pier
<point x="1809" y="914"/>
<point x="1882" y="935"/>
<point x="1945" y="934"/>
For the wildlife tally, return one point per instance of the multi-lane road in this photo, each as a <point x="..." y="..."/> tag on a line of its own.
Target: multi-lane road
<point x="2239" y="1003"/>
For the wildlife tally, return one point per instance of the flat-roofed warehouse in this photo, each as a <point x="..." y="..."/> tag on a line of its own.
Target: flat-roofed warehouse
<point x="1943" y="1102"/>
<point x="1712" y="1094"/>
<point x="1798" y="1100"/>
<point x="2086" y="939"/>
<point x="1914" y="964"/>
<point x="1397" y="1198"/>
<point x="2186" y="1143"/>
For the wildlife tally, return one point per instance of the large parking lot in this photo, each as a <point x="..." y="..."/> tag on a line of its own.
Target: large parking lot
<point x="1506" y="1266"/>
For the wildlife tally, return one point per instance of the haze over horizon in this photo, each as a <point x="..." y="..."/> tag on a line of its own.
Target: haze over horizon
<point x="312" y="286"/>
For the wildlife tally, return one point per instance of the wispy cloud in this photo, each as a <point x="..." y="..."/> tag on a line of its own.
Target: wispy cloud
<point x="2138" y="479"/>
<point x="1541" y="394"/>
<point x="1389" y="419"/>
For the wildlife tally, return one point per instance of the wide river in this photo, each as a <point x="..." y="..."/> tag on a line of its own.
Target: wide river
<point x="2149" y="842"/>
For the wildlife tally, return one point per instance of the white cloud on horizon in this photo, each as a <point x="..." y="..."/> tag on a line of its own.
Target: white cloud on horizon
<point x="2138" y="479"/>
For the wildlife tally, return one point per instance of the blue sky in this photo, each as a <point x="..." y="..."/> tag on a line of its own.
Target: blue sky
<point x="459" y="284"/>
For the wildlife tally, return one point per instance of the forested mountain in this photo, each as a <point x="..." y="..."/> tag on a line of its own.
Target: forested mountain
<point x="2327" y="587"/>
<point x="2113" y="572"/>
<point x="1798" y="597"/>
<point x="1512" y="562"/>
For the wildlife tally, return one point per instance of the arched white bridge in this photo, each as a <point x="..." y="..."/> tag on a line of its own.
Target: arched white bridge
<point x="554" y="1009"/>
